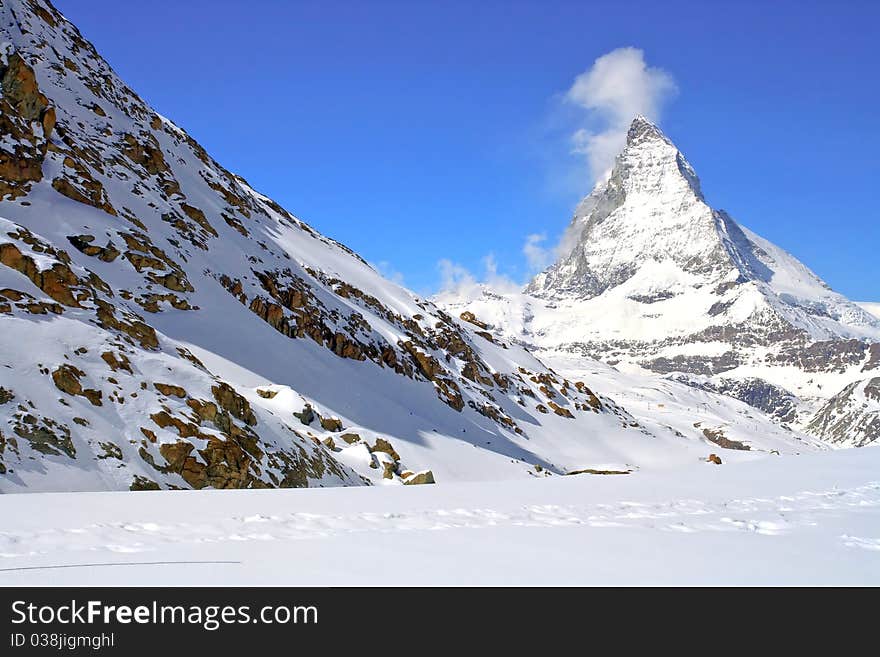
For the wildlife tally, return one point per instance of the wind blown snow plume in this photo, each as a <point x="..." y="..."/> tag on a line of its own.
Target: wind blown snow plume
<point x="619" y="86"/>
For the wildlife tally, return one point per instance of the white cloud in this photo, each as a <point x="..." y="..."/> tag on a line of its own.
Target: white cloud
<point x="458" y="281"/>
<point x="618" y="87"/>
<point x="494" y="280"/>
<point x="538" y="257"/>
<point x="455" y="277"/>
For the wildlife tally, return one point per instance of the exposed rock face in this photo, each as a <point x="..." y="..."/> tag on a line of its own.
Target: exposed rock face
<point x="426" y="477"/>
<point x="772" y="400"/>
<point x="383" y="445"/>
<point x="26" y="122"/>
<point x="717" y="437"/>
<point x="67" y="379"/>
<point x="850" y="418"/>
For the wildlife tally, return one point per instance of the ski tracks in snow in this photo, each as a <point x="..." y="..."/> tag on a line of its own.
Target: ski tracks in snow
<point x="768" y="516"/>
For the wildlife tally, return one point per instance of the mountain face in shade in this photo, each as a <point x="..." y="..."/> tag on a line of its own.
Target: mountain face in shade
<point x="164" y="325"/>
<point x="651" y="276"/>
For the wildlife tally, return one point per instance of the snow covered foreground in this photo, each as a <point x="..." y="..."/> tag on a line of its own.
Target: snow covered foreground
<point x="811" y="519"/>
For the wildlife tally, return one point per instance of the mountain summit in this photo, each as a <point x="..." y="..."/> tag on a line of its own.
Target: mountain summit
<point x="650" y="218"/>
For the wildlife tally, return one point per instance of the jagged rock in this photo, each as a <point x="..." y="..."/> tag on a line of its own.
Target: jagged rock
<point x="67" y="379"/>
<point x="331" y="424"/>
<point x="383" y="445"/>
<point x="198" y="216"/>
<point x="485" y="335"/>
<point x="170" y="390"/>
<point x="26" y="123"/>
<point x="714" y="458"/>
<point x="111" y="451"/>
<point x="83" y="244"/>
<point x="351" y="438"/>
<point x="57" y="282"/>
<point x="426" y="477"/>
<point x="771" y="399"/>
<point x="306" y="416"/>
<point x="20" y="90"/>
<point x="560" y="410"/>
<point x="165" y="420"/>
<point x="132" y="326"/>
<point x="594" y="471"/>
<point x="45" y="435"/>
<point x="229" y="400"/>
<point x="469" y="317"/>
<point x="140" y="483"/>
<point x="717" y="436"/>
<point x="389" y="467"/>
<point x="81" y="187"/>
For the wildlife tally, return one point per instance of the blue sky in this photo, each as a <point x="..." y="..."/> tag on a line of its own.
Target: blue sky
<point x="422" y="131"/>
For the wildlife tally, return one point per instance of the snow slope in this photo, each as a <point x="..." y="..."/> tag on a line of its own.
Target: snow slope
<point x="806" y="520"/>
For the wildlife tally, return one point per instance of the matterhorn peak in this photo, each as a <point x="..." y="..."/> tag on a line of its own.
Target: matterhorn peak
<point x="648" y="221"/>
<point x="650" y="161"/>
<point x="642" y="129"/>
<point x="650" y="208"/>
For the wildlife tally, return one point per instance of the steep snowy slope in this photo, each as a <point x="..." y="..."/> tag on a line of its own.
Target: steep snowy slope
<point x="652" y="276"/>
<point x="164" y="325"/>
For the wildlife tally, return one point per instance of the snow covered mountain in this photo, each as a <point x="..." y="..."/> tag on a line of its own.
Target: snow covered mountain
<point x="652" y="277"/>
<point x="164" y="325"/>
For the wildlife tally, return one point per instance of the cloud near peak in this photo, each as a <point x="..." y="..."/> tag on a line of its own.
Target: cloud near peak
<point x="612" y="92"/>
<point x="606" y="98"/>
